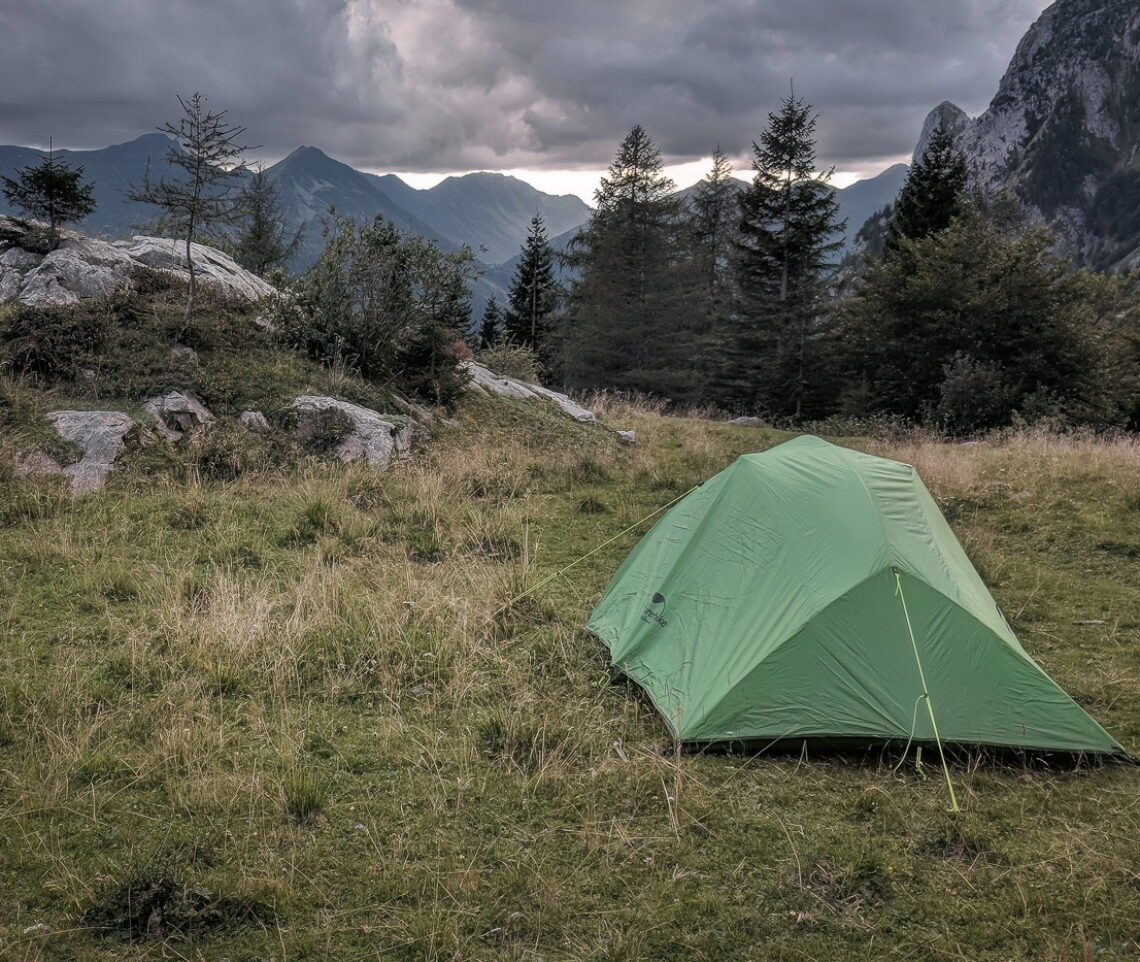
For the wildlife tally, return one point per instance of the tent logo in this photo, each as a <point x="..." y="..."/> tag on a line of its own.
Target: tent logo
<point x="649" y="614"/>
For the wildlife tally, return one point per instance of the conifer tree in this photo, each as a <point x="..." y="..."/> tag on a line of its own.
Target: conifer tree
<point x="629" y="321"/>
<point x="51" y="190"/>
<point x="491" y="326"/>
<point x="533" y="294"/>
<point x="205" y="148"/>
<point x="932" y="194"/>
<point x="969" y="324"/>
<point x="788" y="219"/>
<point x="263" y="241"/>
<point x="716" y="215"/>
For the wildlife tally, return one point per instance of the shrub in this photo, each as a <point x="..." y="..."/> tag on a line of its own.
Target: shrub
<point x="975" y="395"/>
<point x="389" y="306"/>
<point x="512" y="360"/>
<point x="54" y="343"/>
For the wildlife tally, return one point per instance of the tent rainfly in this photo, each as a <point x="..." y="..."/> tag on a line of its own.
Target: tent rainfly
<point x="814" y="592"/>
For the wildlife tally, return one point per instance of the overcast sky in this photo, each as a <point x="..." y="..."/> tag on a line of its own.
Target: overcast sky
<point x="519" y="85"/>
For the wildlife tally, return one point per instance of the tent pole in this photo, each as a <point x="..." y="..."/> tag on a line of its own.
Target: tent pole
<point x="925" y="692"/>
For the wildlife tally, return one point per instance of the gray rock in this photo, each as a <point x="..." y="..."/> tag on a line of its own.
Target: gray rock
<point x="85" y="268"/>
<point x="254" y="421"/>
<point x="177" y="413"/>
<point x="100" y="435"/>
<point x="375" y="437"/>
<point x="627" y="437"/>
<point x="19" y="258"/>
<point x="748" y="422"/>
<point x="211" y="266"/>
<point x="490" y="383"/>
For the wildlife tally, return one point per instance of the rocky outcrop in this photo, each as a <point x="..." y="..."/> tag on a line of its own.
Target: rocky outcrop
<point x="487" y="381"/>
<point x="100" y="435"/>
<point x="950" y="117"/>
<point x="376" y="438"/>
<point x="85" y="268"/>
<point x="1063" y="130"/>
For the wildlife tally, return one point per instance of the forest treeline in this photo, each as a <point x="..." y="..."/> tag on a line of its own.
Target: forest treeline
<point x="964" y="318"/>
<point x="956" y="314"/>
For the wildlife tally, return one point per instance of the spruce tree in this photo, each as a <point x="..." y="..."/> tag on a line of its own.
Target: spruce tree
<point x="629" y="320"/>
<point x="932" y="194"/>
<point x="967" y="325"/>
<point x="716" y="215"/>
<point x="491" y="325"/>
<point x="533" y="294"/>
<point x="263" y="241"/>
<point x="51" y="190"/>
<point x="788" y="219"/>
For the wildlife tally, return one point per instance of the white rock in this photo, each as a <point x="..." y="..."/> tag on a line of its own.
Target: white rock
<point x="100" y="434"/>
<point x="490" y="383"/>
<point x="254" y="421"/>
<point x="85" y="268"/>
<point x="373" y="436"/>
<point x="176" y="413"/>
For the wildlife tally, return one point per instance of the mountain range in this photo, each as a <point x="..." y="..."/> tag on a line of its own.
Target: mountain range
<point x="489" y="212"/>
<point x="1062" y="132"/>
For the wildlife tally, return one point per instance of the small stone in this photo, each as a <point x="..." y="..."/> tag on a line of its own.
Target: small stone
<point x="254" y="421"/>
<point x="176" y="413"/>
<point x="627" y="437"/>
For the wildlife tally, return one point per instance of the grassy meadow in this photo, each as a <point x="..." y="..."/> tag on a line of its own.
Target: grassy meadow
<point x="278" y="713"/>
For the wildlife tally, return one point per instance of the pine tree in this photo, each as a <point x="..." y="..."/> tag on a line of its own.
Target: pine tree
<point x="51" y="190"/>
<point x="205" y="148"/>
<point x="788" y="217"/>
<point x="629" y="319"/>
<point x="932" y="194"/>
<point x="533" y="294"/>
<point x="491" y="326"/>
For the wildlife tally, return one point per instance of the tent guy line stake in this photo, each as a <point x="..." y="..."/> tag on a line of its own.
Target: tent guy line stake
<point x="925" y="692"/>
<point x="561" y="571"/>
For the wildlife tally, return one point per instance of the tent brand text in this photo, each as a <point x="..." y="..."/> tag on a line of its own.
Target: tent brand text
<point x="650" y="615"/>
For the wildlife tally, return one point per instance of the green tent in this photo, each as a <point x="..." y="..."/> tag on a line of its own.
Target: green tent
<point x="816" y="592"/>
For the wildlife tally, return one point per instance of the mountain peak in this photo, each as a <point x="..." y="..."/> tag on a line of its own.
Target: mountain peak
<point x="947" y="115"/>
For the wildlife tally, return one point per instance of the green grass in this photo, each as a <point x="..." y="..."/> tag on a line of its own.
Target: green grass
<point x="280" y="714"/>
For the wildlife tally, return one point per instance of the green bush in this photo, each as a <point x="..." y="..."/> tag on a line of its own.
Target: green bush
<point x="54" y="343"/>
<point x="512" y="360"/>
<point x="391" y="307"/>
<point x="975" y="395"/>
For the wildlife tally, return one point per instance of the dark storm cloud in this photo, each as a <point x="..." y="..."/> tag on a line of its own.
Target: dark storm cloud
<point x="463" y="84"/>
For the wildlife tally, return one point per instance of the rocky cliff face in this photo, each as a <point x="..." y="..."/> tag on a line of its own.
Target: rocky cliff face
<point x="1063" y="130"/>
